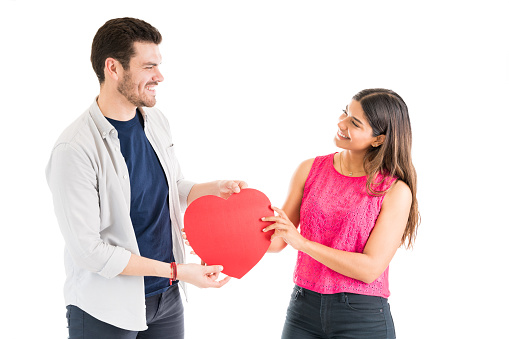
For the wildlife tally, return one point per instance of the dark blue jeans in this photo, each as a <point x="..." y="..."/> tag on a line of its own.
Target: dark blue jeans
<point x="165" y="319"/>
<point x="340" y="315"/>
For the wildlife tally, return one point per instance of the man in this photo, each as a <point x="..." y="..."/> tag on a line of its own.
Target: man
<point x="119" y="193"/>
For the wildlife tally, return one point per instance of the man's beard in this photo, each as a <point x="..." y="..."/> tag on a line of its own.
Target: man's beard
<point x="127" y="88"/>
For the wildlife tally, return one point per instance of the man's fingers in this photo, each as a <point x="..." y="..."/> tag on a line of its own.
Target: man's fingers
<point x="220" y="283"/>
<point x="234" y="187"/>
<point x="213" y="269"/>
<point x="223" y="281"/>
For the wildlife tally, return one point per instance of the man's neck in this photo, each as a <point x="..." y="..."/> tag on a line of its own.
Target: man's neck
<point x="115" y="106"/>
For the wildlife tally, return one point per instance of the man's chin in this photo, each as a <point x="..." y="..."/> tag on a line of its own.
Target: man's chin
<point x="148" y="103"/>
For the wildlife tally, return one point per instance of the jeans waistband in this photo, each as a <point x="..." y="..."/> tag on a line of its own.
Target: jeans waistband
<point x="341" y="296"/>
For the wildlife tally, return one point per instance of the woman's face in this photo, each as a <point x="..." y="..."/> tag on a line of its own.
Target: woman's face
<point x="354" y="132"/>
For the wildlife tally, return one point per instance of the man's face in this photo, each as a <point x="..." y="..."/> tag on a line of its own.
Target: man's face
<point x="138" y="84"/>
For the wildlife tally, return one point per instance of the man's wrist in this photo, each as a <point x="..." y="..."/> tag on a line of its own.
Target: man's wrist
<point x="173" y="272"/>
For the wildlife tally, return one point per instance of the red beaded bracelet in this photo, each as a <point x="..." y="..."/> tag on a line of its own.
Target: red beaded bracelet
<point x="173" y="272"/>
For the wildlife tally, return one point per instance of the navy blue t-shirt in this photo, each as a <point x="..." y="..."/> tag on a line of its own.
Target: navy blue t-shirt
<point x="150" y="213"/>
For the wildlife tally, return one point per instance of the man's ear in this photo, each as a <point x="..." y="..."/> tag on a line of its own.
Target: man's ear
<point x="112" y="68"/>
<point x="379" y="140"/>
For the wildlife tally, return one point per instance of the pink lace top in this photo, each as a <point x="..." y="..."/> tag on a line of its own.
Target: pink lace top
<point x="337" y="211"/>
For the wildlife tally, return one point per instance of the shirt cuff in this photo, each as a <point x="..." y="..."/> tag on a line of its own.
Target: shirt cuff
<point x="184" y="187"/>
<point x="116" y="264"/>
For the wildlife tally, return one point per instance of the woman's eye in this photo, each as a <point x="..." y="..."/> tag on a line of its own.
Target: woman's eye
<point x="353" y="122"/>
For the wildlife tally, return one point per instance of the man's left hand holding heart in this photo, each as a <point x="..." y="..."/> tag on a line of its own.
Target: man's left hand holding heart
<point x="229" y="187"/>
<point x="219" y="188"/>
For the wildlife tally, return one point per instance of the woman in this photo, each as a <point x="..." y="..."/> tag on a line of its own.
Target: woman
<point x="354" y="208"/>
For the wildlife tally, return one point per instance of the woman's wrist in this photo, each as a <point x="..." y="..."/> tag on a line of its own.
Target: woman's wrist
<point x="304" y="245"/>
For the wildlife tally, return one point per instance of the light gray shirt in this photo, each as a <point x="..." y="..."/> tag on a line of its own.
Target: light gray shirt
<point x="89" y="180"/>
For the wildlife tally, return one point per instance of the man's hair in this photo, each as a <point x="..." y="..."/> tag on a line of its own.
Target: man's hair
<point x="116" y="38"/>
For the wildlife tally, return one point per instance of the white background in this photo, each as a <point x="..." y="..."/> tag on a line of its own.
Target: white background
<point x="251" y="89"/>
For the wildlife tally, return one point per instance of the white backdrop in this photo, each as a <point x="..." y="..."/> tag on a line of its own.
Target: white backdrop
<point x="251" y="89"/>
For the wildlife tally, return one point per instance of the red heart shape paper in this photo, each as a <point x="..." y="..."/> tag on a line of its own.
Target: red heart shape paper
<point x="228" y="232"/>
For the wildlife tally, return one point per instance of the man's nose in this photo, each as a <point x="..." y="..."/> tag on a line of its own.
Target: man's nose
<point x="158" y="76"/>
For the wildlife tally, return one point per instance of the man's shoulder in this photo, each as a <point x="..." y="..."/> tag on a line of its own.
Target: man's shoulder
<point x="79" y="131"/>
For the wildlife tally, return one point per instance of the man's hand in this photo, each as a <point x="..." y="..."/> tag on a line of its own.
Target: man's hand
<point x="201" y="276"/>
<point x="187" y="243"/>
<point x="219" y="188"/>
<point x="228" y="187"/>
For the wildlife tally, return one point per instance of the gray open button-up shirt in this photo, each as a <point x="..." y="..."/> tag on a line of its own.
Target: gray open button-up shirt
<point x="88" y="177"/>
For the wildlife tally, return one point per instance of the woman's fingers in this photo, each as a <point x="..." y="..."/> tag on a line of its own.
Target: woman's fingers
<point x="280" y="212"/>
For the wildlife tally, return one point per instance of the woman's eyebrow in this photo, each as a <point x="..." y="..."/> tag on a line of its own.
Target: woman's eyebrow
<point x="360" y="122"/>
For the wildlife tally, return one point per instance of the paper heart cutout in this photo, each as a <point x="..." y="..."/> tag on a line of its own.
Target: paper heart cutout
<point x="228" y="232"/>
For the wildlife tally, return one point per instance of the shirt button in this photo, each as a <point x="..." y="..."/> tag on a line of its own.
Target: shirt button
<point x="125" y="176"/>
<point x="116" y="149"/>
<point x="104" y="134"/>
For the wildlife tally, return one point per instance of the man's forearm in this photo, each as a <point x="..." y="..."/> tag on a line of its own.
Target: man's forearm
<point x="198" y="275"/>
<point x="141" y="266"/>
<point x="206" y="188"/>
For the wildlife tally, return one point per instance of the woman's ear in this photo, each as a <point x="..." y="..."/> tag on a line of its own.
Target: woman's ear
<point x="379" y="140"/>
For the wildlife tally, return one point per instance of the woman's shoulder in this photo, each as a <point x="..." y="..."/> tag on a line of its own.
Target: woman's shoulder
<point x="318" y="161"/>
<point x="399" y="193"/>
<point x="306" y="166"/>
<point x="309" y="169"/>
<point x="303" y="170"/>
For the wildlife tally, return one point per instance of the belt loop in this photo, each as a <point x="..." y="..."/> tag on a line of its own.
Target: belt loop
<point x="301" y="290"/>
<point x="342" y="297"/>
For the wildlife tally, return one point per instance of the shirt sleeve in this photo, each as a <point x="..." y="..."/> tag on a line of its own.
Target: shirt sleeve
<point x="73" y="183"/>
<point x="184" y="186"/>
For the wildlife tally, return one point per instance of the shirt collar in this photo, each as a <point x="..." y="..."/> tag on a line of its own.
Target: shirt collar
<point x="103" y="125"/>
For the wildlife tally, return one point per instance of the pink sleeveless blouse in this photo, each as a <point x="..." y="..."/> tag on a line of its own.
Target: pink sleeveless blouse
<point x="337" y="212"/>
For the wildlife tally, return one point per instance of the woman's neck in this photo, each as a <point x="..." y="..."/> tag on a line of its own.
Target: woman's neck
<point x="350" y="163"/>
<point x="353" y="160"/>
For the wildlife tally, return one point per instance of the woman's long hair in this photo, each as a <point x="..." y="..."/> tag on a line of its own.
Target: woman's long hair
<point x="387" y="114"/>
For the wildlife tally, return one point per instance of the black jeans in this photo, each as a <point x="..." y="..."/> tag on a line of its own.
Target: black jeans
<point x="340" y="315"/>
<point x="165" y="319"/>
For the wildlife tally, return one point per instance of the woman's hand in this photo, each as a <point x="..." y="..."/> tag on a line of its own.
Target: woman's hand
<point x="285" y="229"/>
